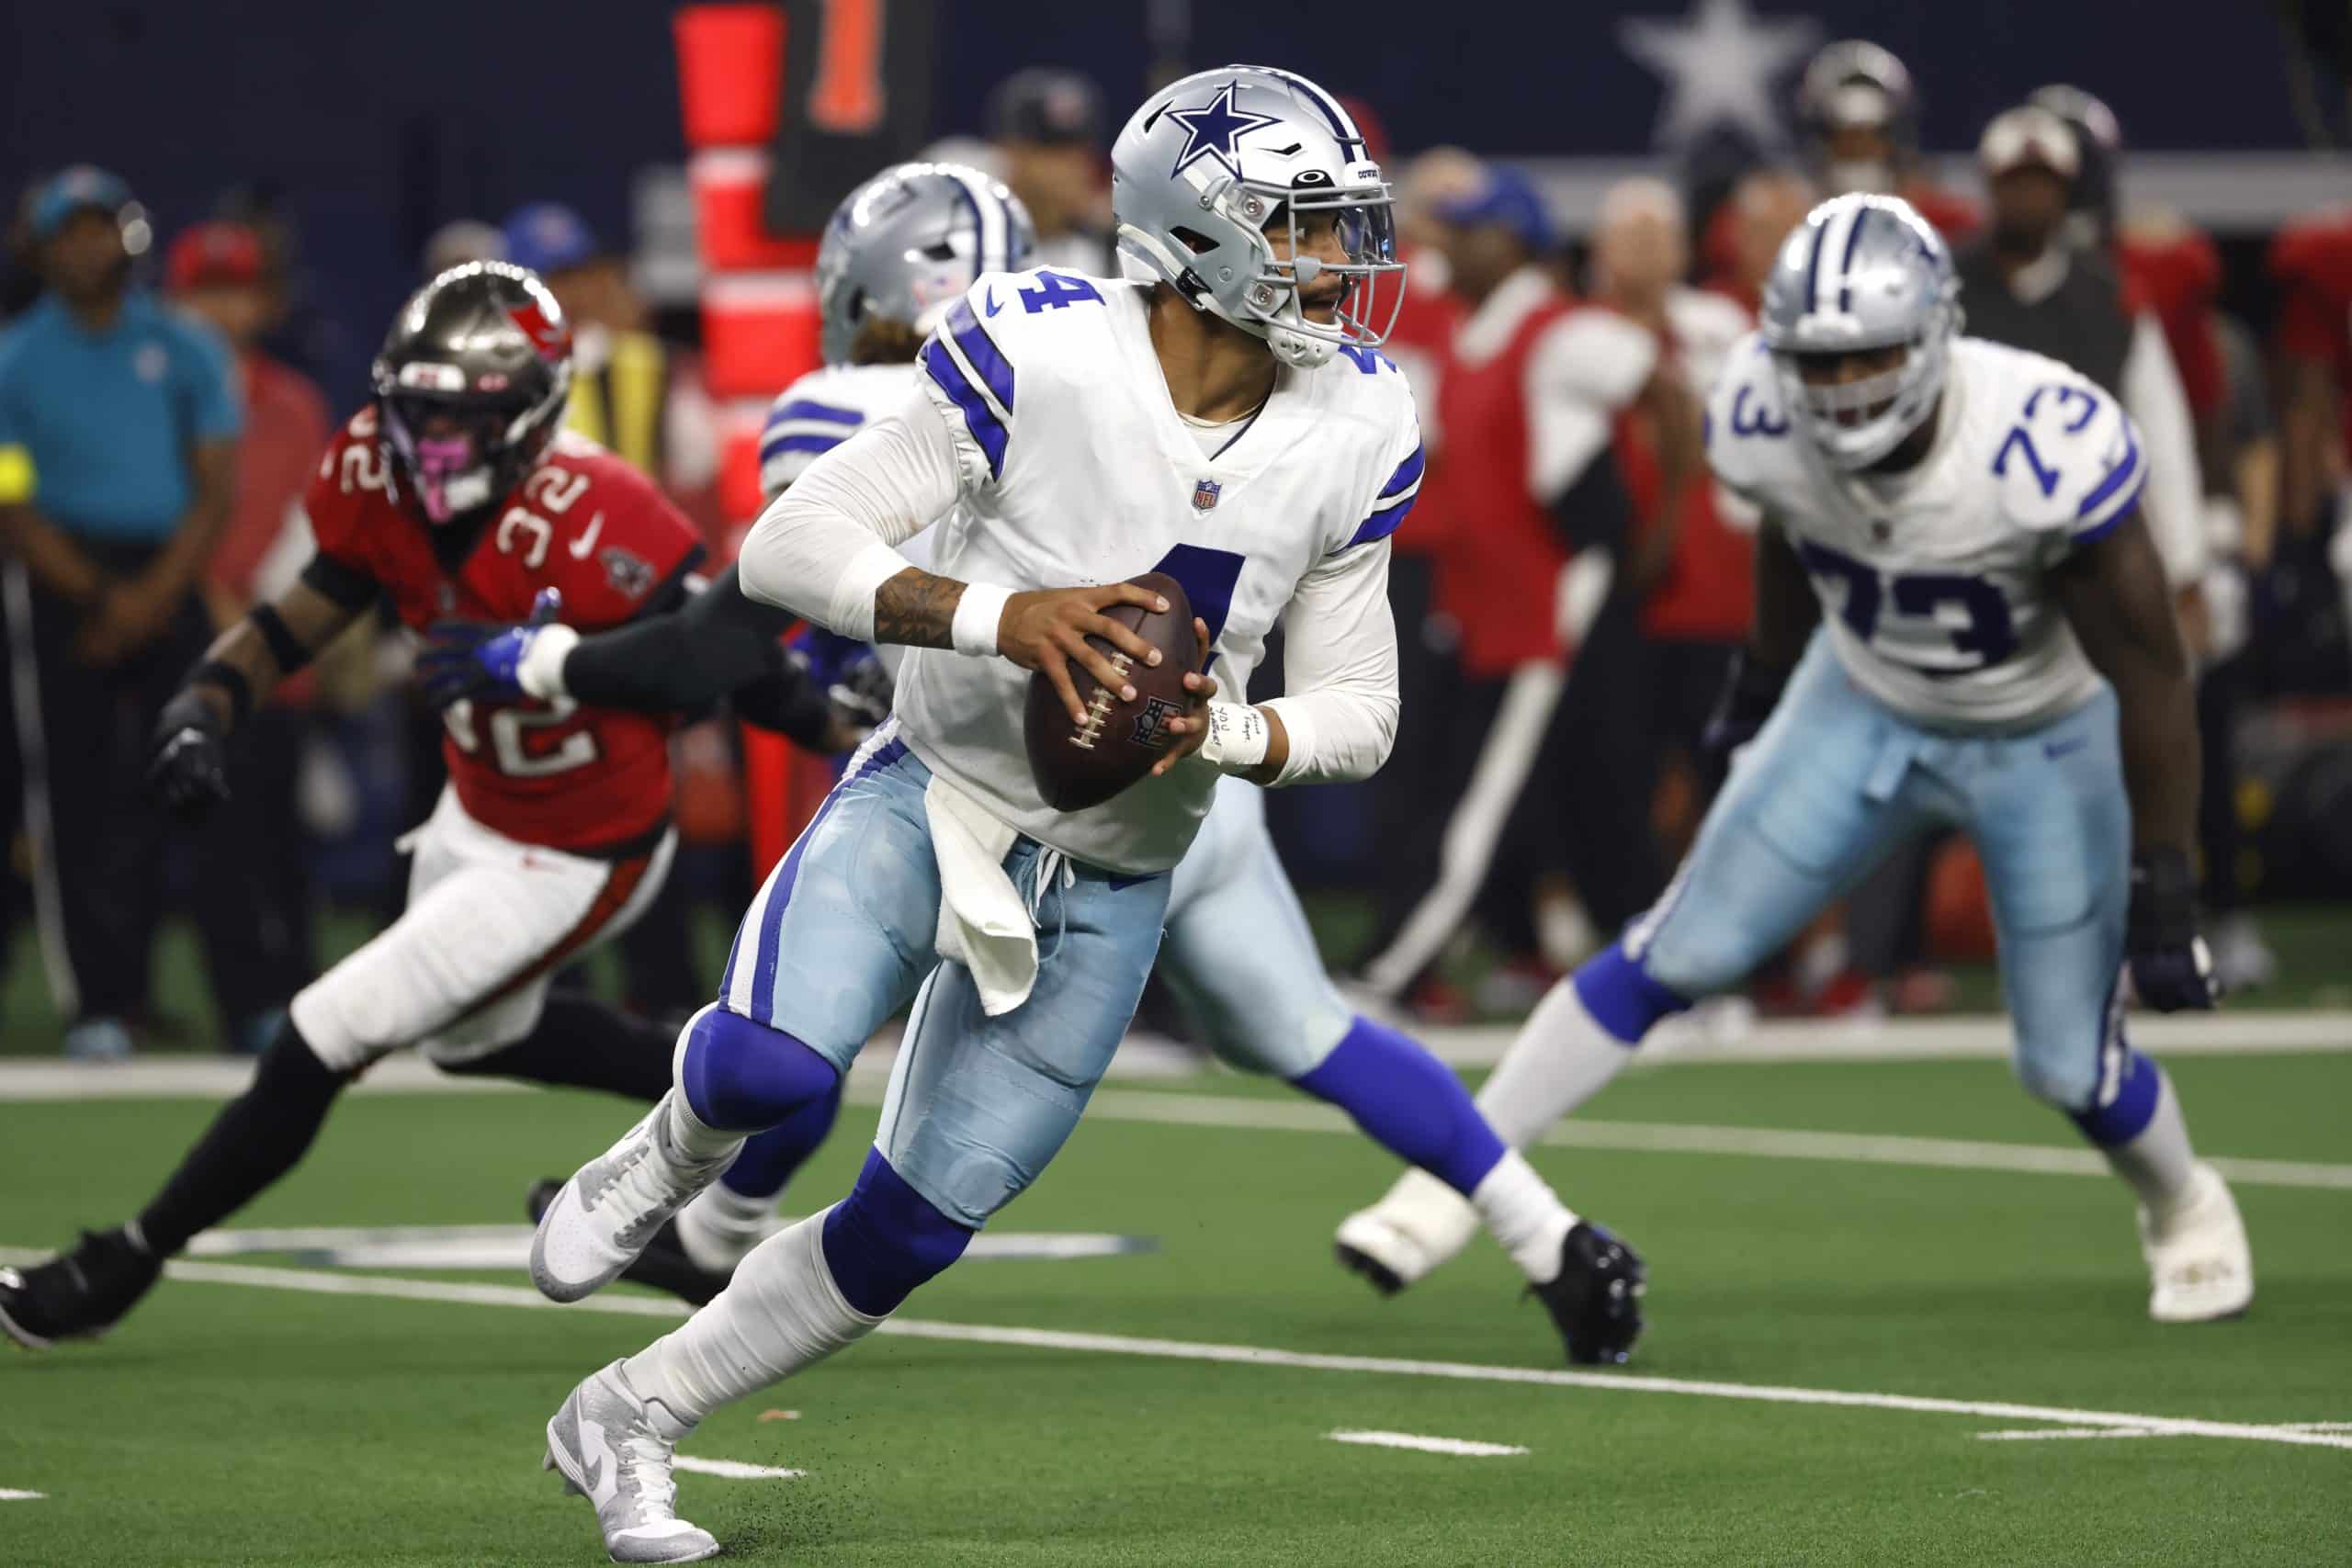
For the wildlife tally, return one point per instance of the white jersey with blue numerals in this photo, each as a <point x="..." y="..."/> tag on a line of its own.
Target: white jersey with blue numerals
<point x="820" y="412"/>
<point x="1934" y="582"/>
<point x="1076" y="468"/>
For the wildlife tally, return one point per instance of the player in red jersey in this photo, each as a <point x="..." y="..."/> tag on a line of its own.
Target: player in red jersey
<point x="2310" y="259"/>
<point x="453" y="496"/>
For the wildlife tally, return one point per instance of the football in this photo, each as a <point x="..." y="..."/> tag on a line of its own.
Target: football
<point x="1079" y="766"/>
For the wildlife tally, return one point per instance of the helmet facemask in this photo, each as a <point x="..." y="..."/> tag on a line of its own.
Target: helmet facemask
<point x="1855" y="423"/>
<point x="1288" y="290"/>
<point x="458" y="458"/>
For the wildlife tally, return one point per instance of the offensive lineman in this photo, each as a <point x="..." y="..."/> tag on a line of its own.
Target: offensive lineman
<point x="452" y="492"/>
<point x="897" y="253"/>
<point x="1988" y="643"/>
<point x="1227" y="423"/>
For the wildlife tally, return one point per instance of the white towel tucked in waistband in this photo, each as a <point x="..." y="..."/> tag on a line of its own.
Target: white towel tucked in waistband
<point x="984" y="923"/>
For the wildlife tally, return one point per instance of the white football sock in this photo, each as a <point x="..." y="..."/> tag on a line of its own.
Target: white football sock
<point x="781" y="1313"/>
<point x="720" y="1228"/>
<point x="1561" y="1059"/>
<point x="2158" y="1162"/>
<point x="691" y="1136"/>
<point x="1524" y="1214"/>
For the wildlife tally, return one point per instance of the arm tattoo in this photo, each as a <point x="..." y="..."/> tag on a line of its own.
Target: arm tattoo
<point x="917" y="609"/>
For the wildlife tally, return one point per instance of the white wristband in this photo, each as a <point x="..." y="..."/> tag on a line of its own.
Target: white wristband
<point x="1239" y="735"/>
<point x="540" y="670"/>
<point x="977" y="615"/>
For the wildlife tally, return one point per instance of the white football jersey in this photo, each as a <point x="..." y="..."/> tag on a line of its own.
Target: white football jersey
<point x="820" y="412"/>
<point x="1934" y="582"/>
<point x="1076" y="468"/>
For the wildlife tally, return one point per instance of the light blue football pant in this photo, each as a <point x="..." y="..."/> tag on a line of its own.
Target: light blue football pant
<point x="1240" y="955"/>
<point x="841" y="936"/>
<point x="1835" y="778"/>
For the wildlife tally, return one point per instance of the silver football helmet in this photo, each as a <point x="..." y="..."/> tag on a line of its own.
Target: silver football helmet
<point x="902" y="246"/>
<point x="1206" y="164"/>
<point x="1863" y="272"/>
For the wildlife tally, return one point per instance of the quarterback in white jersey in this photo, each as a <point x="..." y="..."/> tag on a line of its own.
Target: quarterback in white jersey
<point x="1962" y="622"/>
<point x="1059" y="423"/>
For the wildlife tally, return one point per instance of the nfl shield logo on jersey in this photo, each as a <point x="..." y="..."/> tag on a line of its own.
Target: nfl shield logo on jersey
<point x="1205" y="494"/>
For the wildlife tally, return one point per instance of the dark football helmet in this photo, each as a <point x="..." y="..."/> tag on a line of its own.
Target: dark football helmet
<point x="1860" y="117"/>
<point x="2092" y="200"/>
<point x="470" y="386"/>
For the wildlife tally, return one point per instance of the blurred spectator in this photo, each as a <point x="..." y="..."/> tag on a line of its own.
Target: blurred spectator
<point x="1860" y="117"/>
<point x="632" y="393"/>
<point x="1745" y="234"/>
<point x="1527" y="396"/>
<point x="1046" y="123"/>
<point x="460" y="240"/>
<point x="1418" y="771"/>
<point x="2311" y="262"/>
<point x="118" y="429"/>
<point x="1693" y="570"/>
<point x="215" y="272"/>
<point x="2022" y="283"/>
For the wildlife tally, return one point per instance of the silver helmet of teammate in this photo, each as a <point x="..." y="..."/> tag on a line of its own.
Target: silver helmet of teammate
<point x="1860" y="273"/>
<point x="1217" y="179"/>
<point x="905" y="244"/>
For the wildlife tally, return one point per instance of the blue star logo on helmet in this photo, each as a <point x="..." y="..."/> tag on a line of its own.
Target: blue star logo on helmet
<point x="1212" y="131"/>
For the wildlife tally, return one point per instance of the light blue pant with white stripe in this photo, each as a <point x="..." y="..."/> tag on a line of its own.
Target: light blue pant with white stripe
<point x="841" y="935"/>
<point x="1834" y="781"/>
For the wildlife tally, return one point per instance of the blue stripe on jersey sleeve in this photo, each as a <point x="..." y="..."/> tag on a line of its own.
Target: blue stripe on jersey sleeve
<point x="981" y="419"/>
<point x="776" y="446"/>
<point x="1382" y="523"/>
<point x="2106" y="506"/>
<point x="982" y="350"/>
<point x="806" y="408"/>
<point x="1409" y="472"/>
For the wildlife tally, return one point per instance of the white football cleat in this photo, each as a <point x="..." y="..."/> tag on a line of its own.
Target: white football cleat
<point x="2198" y="1263"/>
<point x="1421" y="1224"/>
<point x="615" y="1205"/>
<point x="615" y="1450"/>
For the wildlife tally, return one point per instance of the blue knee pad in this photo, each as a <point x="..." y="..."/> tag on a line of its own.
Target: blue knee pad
<point x="1408" y="1102"/>
<point x="769" y="1158"/>
<point x="885" y="1238"/>
<point x="2125" y="1114"/>
<point x="741" y="1076"/>
<point x="1620" y="996"/>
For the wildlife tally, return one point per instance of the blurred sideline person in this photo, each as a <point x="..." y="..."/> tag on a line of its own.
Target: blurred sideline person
<point x="1694" y="551"/>
<point x="118" y="426"/>
<point x="1746" y="230"/>
<point x="454" y="492"/>
<point x="1860" y="116"/>
<point x="1044" y="125"/>
<point x="1237" y="953"/>
<point x="1962" y="619"/>
<point x="1529" y="393"/>
<point x="214" y="271"/>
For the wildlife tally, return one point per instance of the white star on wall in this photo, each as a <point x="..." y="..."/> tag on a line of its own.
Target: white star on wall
<point x="1721" y="66"/>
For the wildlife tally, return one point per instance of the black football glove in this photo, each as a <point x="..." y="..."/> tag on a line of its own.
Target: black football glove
<point x="1747" y="700"/>
<point x="2171" y="967"/>
<point x="187" y="764"/>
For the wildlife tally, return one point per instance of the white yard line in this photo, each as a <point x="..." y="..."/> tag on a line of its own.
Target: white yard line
<point x="1147" y="1056"/>
<point x="1668" y="1137"/>
<point x="508" y="1247"/>
<point x="734" y="1469"/>
<point x="8" y="1494"/>
<point x="1465" y="1448"/>
<point x="323" y="1283"/>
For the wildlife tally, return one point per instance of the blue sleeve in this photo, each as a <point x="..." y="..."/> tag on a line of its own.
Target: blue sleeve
<point x="211" y="385"/>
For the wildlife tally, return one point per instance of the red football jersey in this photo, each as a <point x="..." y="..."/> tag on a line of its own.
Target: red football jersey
<point x="584" y="521"/>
